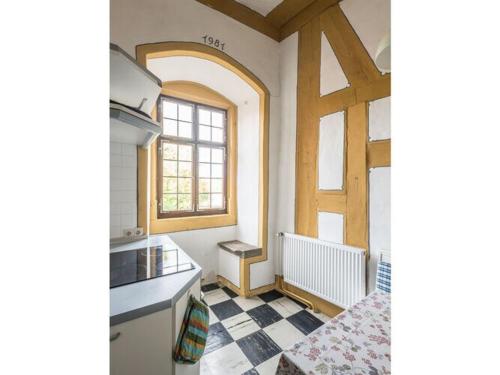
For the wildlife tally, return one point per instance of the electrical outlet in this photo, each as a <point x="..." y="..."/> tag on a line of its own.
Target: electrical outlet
<point x="133" y="232"/>
<point x="129" y="232"/>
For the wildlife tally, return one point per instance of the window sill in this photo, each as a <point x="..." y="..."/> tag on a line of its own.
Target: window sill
<point x="178" y="224"/>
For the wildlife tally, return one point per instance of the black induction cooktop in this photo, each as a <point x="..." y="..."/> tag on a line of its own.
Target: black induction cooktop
<point x="132" y="266"/>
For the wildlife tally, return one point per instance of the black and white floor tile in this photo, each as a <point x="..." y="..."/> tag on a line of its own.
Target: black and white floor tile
<point x="247" y="335"/>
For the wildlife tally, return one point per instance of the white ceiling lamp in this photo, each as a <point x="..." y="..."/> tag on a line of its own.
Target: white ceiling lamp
<point x="383" y="54"/>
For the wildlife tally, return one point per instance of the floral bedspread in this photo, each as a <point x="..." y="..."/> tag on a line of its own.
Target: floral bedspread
<point x="355" y="342"/>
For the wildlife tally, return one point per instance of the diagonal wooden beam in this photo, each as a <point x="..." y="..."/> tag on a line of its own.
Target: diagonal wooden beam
<point x="350" y="51"/>
<point x="245" y="15"/>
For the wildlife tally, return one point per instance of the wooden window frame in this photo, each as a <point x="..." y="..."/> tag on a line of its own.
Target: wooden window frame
<point x="195" y="142"/>
<point x="195" y="92"/>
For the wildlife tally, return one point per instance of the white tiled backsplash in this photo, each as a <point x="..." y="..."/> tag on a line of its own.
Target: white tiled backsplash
<point x="123" y="188"/>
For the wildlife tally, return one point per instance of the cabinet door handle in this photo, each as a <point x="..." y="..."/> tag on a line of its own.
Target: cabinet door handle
<point x="115" y="336"/>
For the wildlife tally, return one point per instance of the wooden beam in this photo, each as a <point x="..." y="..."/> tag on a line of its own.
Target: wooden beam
<point x="286" y="10"/>
<point x="357" y="181"/>
<point x="340" y="100"/>
<point x="375" y="90"/>
<point x="306" y="15"/>
<point x="355" y="61"/>
<point x="379" y="153"/>
<point x="308" y="81"/>
<point x="245" y="15"/>
<point x="328" y="202"/>
<point x="337" y="101"/>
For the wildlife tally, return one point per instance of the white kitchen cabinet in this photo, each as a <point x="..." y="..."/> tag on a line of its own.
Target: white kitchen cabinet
<point x="145" y="345"/>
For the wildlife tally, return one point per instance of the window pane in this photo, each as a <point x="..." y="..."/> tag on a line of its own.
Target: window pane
<point x="204" y="155"/>
<point x="169" y="109"/>
<point x="185" y="129"/>
<point x="217" y="119"/>
<point x="204" y="170"/>
<point x="185" y="152"/>
<point x="217" y="201"/>
<point x="185" y="202"/>
<point x="185" y="185"/>
<point x="204" y="116"/>
<point x="170" y="168"/>
<point x="217" y="135"/>
<point x="204" y="185"/>
<point x="204" y="133"/>
<point x="216" y="185"/>
<point x="217" y="170"/>
<point x="169" y="202"/>
<point x="204" y="200"/>
<point x="185" y="113"/>
<point x="170" y="127"/>
<point x="170" y="185"/>
<point x="217" y="155"/>
<point x="169" y="151"/>
<point x="185" y="169"/>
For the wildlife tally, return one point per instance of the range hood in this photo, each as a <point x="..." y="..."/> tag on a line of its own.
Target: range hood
<point x="134" y="91"/>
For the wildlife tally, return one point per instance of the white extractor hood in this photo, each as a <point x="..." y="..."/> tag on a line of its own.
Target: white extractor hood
<point x="133" y="93"/>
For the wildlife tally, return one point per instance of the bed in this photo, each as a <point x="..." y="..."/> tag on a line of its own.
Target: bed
<point x="355" y="342"/>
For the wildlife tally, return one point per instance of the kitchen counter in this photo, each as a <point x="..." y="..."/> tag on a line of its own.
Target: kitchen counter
<point x="132" y="301"/>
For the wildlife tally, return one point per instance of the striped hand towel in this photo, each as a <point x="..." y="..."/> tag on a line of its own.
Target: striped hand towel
<point x="193" y="334"/>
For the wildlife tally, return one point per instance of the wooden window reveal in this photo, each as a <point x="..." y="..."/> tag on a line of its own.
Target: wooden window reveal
<point x="192" y="154"/>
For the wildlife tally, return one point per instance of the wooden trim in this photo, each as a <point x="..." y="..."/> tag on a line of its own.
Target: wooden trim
<point x="286" y="10"/>
<point x="240" y="291"/>
<point x="323" y="306"/>
<point x="328" y="202"/>
<point x="245" y="263"/>
<point x="285" y="19"/>
<point x="341" y="99"/>
<point x="357" y="181"/>
<point x="222" y="280"/>
<point x="303" y="17"/>
<point x="166" y="49"/>
<point x="245" y="15"/>
<point x="355" y="61"/>
<point x="186" y="90"/>
<point x="308" y="82"/>
<point x="229" y="127"/>
<point x="379" y="153"/>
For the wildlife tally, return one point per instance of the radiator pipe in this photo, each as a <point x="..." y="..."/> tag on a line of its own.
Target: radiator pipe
<point x="294" y="296"/>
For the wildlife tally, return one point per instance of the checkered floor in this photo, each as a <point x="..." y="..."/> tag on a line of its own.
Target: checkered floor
<point x="247" y="335"/>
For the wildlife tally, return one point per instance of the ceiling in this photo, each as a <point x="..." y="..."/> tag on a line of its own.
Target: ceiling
<point x="270" y="17"/>
<point x="261" y="6"/>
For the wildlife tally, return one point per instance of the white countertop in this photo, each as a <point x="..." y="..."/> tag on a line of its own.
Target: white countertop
<point x="145" y="297"/>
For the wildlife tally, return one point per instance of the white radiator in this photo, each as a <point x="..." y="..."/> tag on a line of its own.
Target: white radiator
<point x="333" y="272"/>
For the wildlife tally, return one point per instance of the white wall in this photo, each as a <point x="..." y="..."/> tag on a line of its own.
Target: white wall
<point x="331" y="227"/>
<point x="331" y="152"/>
<point x="379" y="113"/>
<point x="201" y="245"/>
<point x="380" y="218"/>
<point x="285" y="221"/>
<point x="123" y="188"/>
<point x="229" y="266"/>
<point x="332" y="77"/>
